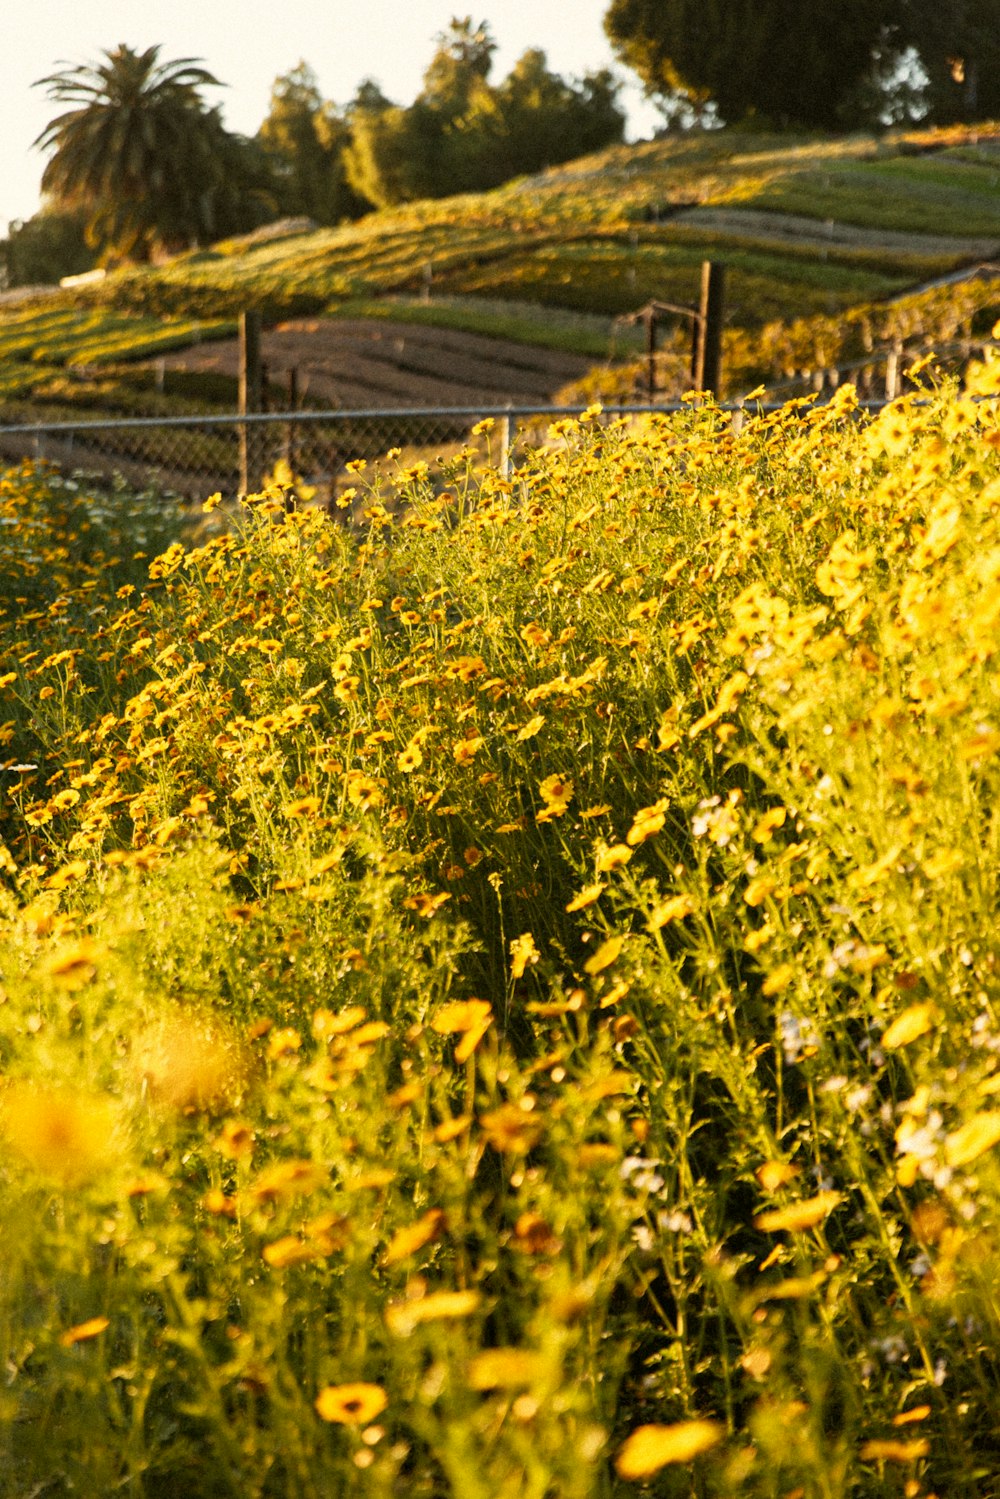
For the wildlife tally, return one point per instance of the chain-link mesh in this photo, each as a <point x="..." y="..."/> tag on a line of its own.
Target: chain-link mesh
<point x="196" y="456"/>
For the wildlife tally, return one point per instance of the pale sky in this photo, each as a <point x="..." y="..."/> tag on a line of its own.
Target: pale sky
<point x="247" y="43"/>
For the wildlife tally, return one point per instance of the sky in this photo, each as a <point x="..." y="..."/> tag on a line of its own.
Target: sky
<point x="248" y="43"/>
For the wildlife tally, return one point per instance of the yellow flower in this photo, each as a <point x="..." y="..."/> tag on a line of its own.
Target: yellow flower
<point x="605" y="955"/>
<point x="674" y="908"/>
<point x="505" y="1369"/>
<point x="83" y="1331"/>
<point x="407" y="1240"/>
<point x="288" y="1178"/>
<point x="531" y="728"/>
<point x="648" y="821"/>
<point x="613" y="857"/>
<point x="66" y="1135"/>
<point x="894" y="1451"/>
<point x="470" y="1018"/>
<point x="351" y="1404"/>
<point x="522" y="953"/>
<point x="410" y="758"/>
<point x="587" y="896"/>
<point x="914" y="1021"/>
<point x="306" y="806"/>
<point x="649" y="1448"/>
<point x="973" y="1139"/>
<point x="290" y="1250"/>
<point x="465" y="750"/>
<point x="187" y="1061"/>
<point x="557" y="793"/>
<point x="778" y="979"/>
<point x="74" y="965"/>
<point x="440" y="1306"/>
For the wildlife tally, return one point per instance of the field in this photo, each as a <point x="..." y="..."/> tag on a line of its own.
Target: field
<point x="820" y="236"/>
<point x="502" y="1000"/>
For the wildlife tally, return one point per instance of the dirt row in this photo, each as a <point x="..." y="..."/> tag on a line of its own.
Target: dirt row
<point x="370" y="364"/>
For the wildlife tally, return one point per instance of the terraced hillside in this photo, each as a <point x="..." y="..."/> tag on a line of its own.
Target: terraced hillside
<point x="818" y="236"/>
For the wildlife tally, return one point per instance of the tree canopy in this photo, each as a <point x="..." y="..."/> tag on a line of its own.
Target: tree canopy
<point x="765" y="58"/>
<point x="139" y="151"/>
<point x="775" y="60"/>
<point x="463" y="133"/>
<point x="305" y="137"/>
<point x="958" y="44"/>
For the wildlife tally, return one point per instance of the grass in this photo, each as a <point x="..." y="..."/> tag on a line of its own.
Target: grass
<point x="501" y="1000"/>
<point x="589" y="240"/>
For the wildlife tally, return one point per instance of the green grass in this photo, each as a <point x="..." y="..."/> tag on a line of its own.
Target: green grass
<point x="578" y="239"/>
<point x="499" y="317"/>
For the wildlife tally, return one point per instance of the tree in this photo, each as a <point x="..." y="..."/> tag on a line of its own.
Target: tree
<point x="138" y="153"/>
<point x="547" y="119"/>
<point x="462" y="134"/>
<point x="959" y="48"/>
<point x="41" y="250"/>
<point x="459" y="68"/>
<point x="306" y="138"/>
<point x="764" y="58"/>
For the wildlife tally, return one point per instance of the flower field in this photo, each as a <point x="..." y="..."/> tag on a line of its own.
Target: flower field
<point x="503" y="1003"/>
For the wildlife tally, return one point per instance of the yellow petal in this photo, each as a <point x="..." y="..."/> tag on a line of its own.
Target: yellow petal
<point x="973" y="1139"/>
<point x="799" y="1215"/>
<point x="605" y="955"/>
<point x="650" y="1448"/>
<point x="914" y="1021"/>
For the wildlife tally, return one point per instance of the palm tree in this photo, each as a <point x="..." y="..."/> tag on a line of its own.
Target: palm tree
<point x="138" y="152"/>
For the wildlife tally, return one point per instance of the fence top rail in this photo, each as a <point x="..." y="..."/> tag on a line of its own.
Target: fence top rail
<point x="440" y="412"/>
<point x="478" y="413"/>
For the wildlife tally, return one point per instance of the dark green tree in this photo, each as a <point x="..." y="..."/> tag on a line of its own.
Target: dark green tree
<point x="770" y="59"/>
<point x="137" y="153"/>
<point x="958" y="44"/>
<point x="305" y="137"/>
<point x="547" y="119"/>
<point x="41" y="250"/>
<point x="463" y="134"/>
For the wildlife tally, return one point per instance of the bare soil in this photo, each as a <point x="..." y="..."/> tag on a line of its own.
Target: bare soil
<point x="368" y="364"/>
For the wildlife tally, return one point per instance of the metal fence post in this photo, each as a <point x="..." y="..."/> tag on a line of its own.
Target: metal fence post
<point x="506" y="444"/>
<point x="892" y="370"/>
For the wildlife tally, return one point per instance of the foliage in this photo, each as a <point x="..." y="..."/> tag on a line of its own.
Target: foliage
<point x="751" y="59"/>
<point x="142" y="156"/>
<point x="867" y="62"/>
<point x="959" y="49"/>
<point x="306" y="139"/>
<point x="43" y="249"/>
<point x="462" y="134"/>
<point x="503" y="1002"/>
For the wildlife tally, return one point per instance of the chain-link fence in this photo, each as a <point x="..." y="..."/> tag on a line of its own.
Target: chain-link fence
<point x="194" y="456"/>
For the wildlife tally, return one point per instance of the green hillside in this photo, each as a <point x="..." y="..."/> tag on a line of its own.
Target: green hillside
<point x="808" y="227"/>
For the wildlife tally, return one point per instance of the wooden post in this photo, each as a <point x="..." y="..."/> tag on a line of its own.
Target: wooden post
<point x="651" y="353"/>
<point x="250" y="401"/>
<point x="290" y="430"/>
<point x="706" y="350"/>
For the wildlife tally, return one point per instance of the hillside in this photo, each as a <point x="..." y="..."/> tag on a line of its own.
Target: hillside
<point x="809" y="228"/>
